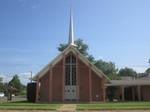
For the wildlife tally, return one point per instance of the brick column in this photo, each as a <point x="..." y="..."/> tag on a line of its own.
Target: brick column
<point x="37" y="91"/>
<point x="103" y="90"/>
<point x="77" y="76"/>
<point x="139" y="92"/>
<point x="50" y="84"/>
<point x="122" y="93"/>
<point x="63" y="80"/>
<point x="90" y="85"/>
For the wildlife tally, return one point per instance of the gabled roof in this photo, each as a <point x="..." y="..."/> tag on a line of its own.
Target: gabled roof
<point x="128" y="82"/>
<point x="73" y="49"/>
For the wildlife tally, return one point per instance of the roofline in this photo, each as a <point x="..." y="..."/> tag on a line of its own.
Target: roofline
<point x="128" y="83"/>
<point x="65" y="52"/>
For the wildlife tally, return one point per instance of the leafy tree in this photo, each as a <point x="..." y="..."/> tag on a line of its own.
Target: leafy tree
<point x="9" y="90"/>
<point x="108" y="68"/>
<point x="62" y="47"/>
<point x="127" y="72"/>
<point x="81" y="46"/>
<point x="1" y="84"/>
<point x="148" y="70"/>
<point x="15" y="83"/>
<point x="91" y="59"/>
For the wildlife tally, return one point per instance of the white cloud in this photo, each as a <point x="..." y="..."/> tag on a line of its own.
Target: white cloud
<point x="6" y="78"/>
<point x="24" y="77"/>
<point x="140" y="69"/>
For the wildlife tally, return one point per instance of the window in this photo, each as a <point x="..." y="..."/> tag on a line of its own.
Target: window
<point x="70" y="70"/>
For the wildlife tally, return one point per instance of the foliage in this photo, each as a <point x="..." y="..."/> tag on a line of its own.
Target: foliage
<point x="1" y="84"/>
<point x="16" y="83"/>
<point x="127" y="72"/>
<point x="108" y="68"/>
<point x="81" y="46"/>
<point x="62" y="47"/>
<point x="91" y="59"/>
<point x="148" y="70"/>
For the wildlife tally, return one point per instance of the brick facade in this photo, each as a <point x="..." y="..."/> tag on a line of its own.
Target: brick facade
<point x="88" y="82"/>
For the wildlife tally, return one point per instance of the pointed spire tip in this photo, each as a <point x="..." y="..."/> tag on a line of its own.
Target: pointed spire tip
<point x="71" y="30"/>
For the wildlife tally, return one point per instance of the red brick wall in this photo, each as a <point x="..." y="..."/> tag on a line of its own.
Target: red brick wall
<point x="83" y="79"/>
<point x="44" y="88"/>
<point x="96" y="84"/>
<point x="57" y="86"/>
<point x="145" y="93"/>
<point x="96" y="87"/>
<point x="83" y="76"/>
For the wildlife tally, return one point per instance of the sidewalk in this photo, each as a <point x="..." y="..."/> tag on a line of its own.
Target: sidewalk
<point x="67" y="108"/>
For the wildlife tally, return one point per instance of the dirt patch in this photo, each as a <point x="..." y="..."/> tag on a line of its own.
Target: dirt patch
<point x="67" y="108"/>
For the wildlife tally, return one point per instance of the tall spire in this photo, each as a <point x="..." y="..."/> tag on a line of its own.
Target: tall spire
<point x="71" y="31"/>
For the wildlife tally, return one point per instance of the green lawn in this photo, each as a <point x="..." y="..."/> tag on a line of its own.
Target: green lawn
<point x="82" y="106"/>
<point x="115" y="106"/>
<point x="28" y="106"/>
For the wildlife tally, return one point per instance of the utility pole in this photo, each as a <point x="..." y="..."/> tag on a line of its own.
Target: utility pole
<point x="31" y="76"/>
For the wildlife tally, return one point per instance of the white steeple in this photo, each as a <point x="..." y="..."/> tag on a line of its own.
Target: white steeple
<point x="71" y="31"/>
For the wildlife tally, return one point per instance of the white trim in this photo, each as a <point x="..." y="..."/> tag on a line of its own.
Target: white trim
<point x="70" y="48"/>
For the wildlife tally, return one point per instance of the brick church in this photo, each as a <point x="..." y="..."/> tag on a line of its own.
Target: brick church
<point x="72" y="77"/>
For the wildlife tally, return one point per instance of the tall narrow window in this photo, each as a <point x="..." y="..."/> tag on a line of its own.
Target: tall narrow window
<point x="70" y="70"/>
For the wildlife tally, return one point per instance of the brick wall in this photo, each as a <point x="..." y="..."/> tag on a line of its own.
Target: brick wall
<point x="44" y="88"/>
<point x="57" y="86"/>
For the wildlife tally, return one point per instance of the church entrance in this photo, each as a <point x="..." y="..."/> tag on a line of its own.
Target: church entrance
<point x="70" y="78"/>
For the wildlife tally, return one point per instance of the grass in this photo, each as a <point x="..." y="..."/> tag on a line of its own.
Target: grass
<point x="23" y="105"/>
<point x="115" y="106"/>
<point x="28" y="106"/>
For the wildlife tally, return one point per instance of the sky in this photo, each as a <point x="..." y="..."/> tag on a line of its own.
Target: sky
<point x="31" y="31"/>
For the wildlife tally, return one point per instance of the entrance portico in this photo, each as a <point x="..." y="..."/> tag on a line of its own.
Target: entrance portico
<point x="129" y="90"/>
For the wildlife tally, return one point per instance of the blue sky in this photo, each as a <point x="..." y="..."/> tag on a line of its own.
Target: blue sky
<point x="31" y="30"/>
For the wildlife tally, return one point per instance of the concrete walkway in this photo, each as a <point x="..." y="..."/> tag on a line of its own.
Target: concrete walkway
<point x="67" y="108"/>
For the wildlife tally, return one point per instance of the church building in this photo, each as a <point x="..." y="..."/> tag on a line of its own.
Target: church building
<point x="72" y="77"/>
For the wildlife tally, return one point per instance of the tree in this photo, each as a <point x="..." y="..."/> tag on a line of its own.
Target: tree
<point x="108" y="68"/>
<point x="91" y="59"/>
<point x="127" y="72"/>
<point x="81" y="46"/>
<point x="15" y="83"/>
<point x="1" y="84"/>
<point x="147" y="70"/>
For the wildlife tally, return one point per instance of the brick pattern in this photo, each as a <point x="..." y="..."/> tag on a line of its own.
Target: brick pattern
<point x="90" y="85"/>
<point x="57" y="77"/>
<point x="44" y="87"/>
